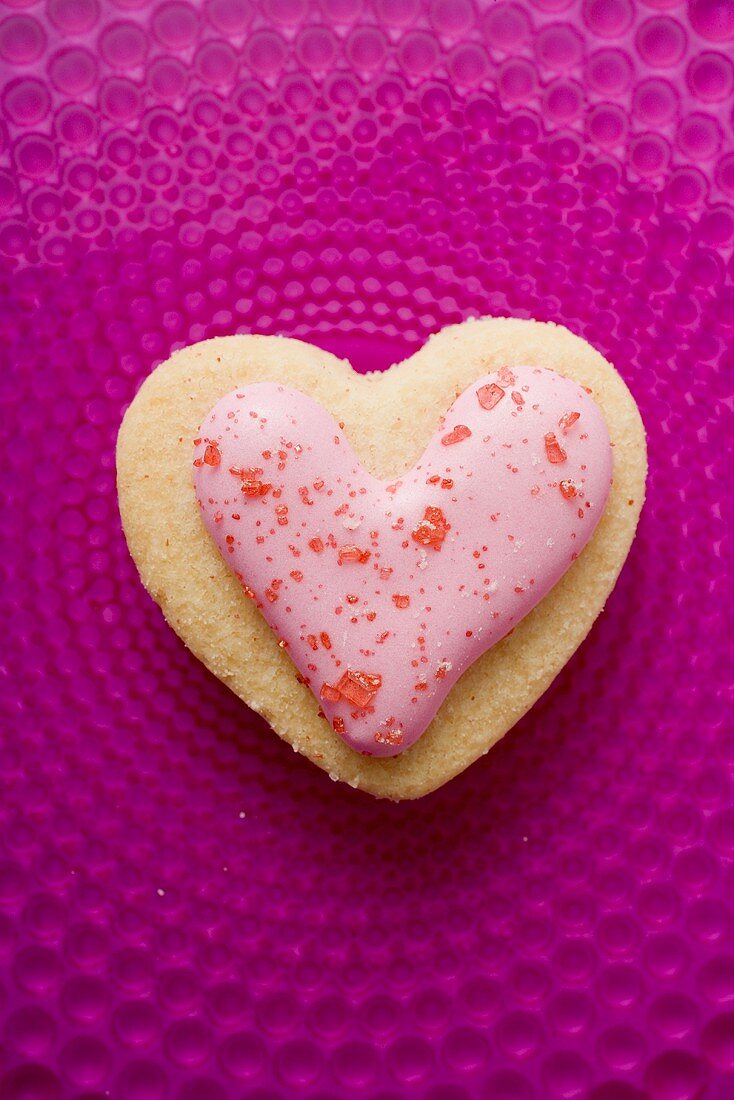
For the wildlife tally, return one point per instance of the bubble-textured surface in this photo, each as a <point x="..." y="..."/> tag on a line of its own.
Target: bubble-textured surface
<point x="188" y="910"/>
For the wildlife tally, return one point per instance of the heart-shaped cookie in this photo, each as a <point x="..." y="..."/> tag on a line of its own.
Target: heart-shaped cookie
<point x="383" y="592"/>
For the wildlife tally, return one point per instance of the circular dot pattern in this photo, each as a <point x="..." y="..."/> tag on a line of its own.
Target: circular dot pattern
<point x="187" y="910"/>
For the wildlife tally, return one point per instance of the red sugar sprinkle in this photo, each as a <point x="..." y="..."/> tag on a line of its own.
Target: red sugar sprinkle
<point x="447" y="483"/>
<point x="338" y="724"/>
<point x="270" y="595"/>
<point x="433" y="480"/>
<point x="352" y="599"/>
<point x="401" y="601"/>
<point x="282" y="513"/>
<point x="506" y="377"/>
<point x="358" y="688"/>
<point x="318" y="484"/>
<point x="212" y="454"/>
<point x="459" y="432"/>
<point x="197" y="442"/>
<point x="297" y="574"/>
<point x="568" y="420"/>
<point x="382" y="637"/>
<point x="353" y="553"/>
<point x="198" y="462"/>
<point x="251" y="486"/>
<point x="325" y="640"/>
<point x="490" y="395"/>
<point x="568" y="489"/>
<point x="389" y="736"/>
<point x="553" y="449"/>
<point x="316" y="545"/>
<point x="517" y="398"/>
<point x="431" y="531"/>
<point x="312" y="641"/>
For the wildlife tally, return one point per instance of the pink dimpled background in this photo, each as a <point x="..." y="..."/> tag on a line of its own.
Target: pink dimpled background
<point x="189" y="911"/>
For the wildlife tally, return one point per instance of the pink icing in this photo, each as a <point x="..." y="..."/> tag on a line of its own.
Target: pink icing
<point x="384" y="592"/>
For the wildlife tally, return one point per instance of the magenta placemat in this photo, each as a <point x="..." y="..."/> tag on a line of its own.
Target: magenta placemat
<point x="187" y="909"/>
